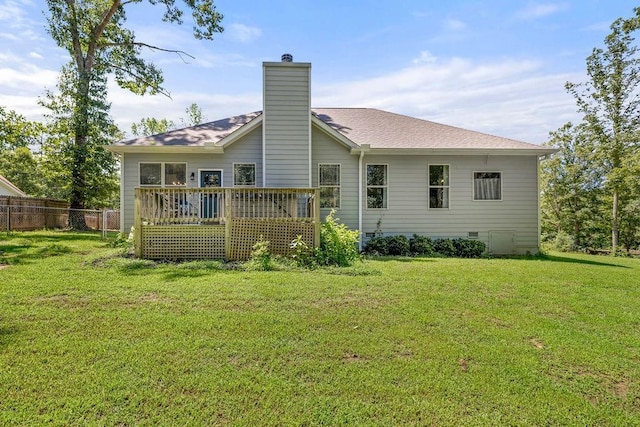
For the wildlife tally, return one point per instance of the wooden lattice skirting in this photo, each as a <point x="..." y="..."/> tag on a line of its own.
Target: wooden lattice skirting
<point x="208" y="241"/>
<point x="246" y="232"/>
<point x="183" y="242"/>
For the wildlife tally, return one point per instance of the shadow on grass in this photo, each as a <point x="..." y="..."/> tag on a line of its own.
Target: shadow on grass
<point x="556" y="258"/>
<point x="23" y="247"/>
<point x="552" y="258"/>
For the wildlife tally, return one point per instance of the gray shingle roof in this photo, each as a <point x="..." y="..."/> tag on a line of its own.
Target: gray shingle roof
<point x="385" y="130"/>
<point x="195" y="136"/>
<point x="379" y="129"/>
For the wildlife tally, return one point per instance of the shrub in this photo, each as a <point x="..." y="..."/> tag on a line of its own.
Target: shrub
<point x="398" y="245"/>
<point x="261" y="258"/>
<point x="301" y="253"/>
<point x="338" y="244"/>
<point x="377" y="246"/>
<point x="421" y="245"/>
<point x="466" y="248"/>
<point x="564" y="242"/>
<point x="444" y="247"/>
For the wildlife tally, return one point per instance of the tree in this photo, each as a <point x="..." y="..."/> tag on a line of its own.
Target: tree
<point x="151" y="126"/>
<point x="84" y="172"/>
<point x="17" y="162"/>
<point x="94" y="34"/>
<point x="16" y="131"/>
<point x="194" y="115"/>
<point x="611" y="107"/>
<point x="571" y="185"/>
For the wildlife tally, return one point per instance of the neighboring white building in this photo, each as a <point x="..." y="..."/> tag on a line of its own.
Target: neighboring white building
<point x="8" y="189"/>
<point x="382" y="172"/>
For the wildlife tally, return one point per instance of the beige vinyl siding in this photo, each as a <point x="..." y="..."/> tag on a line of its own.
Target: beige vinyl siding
<point x="287" y="123"/>
<point x="326" y="150"/>
<point x="246" y="150"/>
<point x="408" y="211"/>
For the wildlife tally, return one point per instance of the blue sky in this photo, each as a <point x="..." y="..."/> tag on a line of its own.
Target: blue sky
<point x="495" y="66"/>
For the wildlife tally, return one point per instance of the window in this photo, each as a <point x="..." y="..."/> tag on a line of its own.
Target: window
<point x="163" y="174"/>
<point x="438" y="186"/>
<point x="377" y="186"/>
<point x="487" y="186"/>
<point x="329" y="183"/>
<point x="244" y="174"/>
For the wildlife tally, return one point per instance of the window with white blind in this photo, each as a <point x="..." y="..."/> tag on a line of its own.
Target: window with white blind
<point x="487" y="186"/>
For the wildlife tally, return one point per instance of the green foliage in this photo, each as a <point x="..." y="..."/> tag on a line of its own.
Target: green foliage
<point x="444" y="247"/>
<point x="301" y="253"/>
<point x="398" y="245"/>
<point x="377" y="246"/>
<point x="194" y="115"/>
<point x="99" y="45"/>
<point x="17" y="162"/>
<point x="261" y="258"/>
<point x="469" y="248"/>
<point x="610" y="106"/>
<point x="151" y="126"/>
<point x="338" y="244"/>
<point x="421" y="245"/>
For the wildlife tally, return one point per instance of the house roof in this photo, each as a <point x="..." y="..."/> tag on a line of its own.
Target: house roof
<point x="366" y="128"/>
<point x="386" y="130"/>
<point x="5" y="183"/>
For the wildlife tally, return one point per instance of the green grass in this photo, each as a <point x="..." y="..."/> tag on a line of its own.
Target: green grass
<point x="89" y="338"/>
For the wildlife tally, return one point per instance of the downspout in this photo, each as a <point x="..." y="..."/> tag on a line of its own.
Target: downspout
<point x="360" y="162"/>
<point x="123" y="203"/>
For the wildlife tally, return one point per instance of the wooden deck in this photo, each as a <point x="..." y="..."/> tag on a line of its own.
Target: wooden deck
<point x="222" y="223"/>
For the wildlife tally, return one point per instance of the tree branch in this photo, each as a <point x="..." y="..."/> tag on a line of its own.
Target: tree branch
<point x="180" y="53"/>
<point x="139" y="78"/>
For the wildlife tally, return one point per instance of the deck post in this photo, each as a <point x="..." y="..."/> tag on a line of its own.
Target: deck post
<point x="316" y="218"/>
<point x="137" y="230"/>
<point x="227" y="223"/>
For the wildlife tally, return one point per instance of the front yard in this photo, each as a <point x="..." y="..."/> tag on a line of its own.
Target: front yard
<point x="87" y="337"/>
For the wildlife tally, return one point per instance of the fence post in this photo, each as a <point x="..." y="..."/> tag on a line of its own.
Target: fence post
<point x="8" y="214"/>
<point x="227" y="223"/>
<point x="137" y="232"/>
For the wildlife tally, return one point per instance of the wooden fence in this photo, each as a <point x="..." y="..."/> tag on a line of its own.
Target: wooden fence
<point x="30" y="213"/>
<point x="187" y="223"/>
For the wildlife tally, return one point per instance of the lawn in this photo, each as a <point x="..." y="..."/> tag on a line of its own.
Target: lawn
<point x="90" y="338"/>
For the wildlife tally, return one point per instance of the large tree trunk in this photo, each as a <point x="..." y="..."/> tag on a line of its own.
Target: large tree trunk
<point x="78" y="175"/>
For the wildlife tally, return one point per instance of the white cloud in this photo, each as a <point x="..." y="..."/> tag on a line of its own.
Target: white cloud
<point x="243" y="33"/>
<point x="35" y="55"/>
<point x="509" y="98"/>
<point x="425" y="57"/>
<point x="539" y="10"/>
<point x="454" y="25"/>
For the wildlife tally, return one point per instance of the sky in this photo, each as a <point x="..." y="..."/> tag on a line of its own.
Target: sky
<point x="493" y="66"/>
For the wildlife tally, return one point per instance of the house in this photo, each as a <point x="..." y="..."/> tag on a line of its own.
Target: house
<point x="383" y="173"/>
<point x="8" y="189"/>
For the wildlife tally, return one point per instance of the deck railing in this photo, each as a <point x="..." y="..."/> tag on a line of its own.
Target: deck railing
<point x="167" y="206"/>
<point x="192" y="218"/>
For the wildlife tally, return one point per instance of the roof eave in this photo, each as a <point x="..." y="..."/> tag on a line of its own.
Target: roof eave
<point x="237" y="134"/>
<point x="462" y="151"/>
<point x="164" y="149"/>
